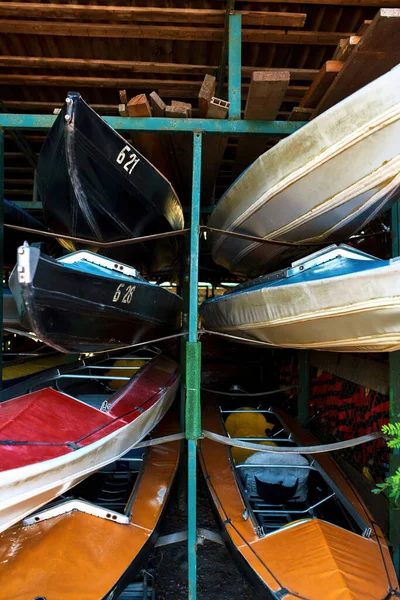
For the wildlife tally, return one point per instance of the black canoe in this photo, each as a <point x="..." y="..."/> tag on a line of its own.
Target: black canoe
<point x="87" y="303"/>
<point x="95" y="185"/>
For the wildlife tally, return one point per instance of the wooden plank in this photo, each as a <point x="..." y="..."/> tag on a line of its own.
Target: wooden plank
<point x="123" y="97"/>
<point x="376" y="3"/>
<point x="364" y="27"/>
<point x="28" y="10"/>
<point x="207" y="91"/>
<point x="377" y="52"/>
<point x="25" y="106"/>
<point x="41" y="62"/>
<point x="121" y="109"/>
<point x="184" y="106"/>
<point x="157" y="105"/>
<point x="266" y="94"/>
<point x="321" y="84"/>
<point x="138" y="106"/>
<point x="361" y="371"/>
<point x="172" y="32"/>
<point x="345" y="47"/>
<point x="300" y="114"/>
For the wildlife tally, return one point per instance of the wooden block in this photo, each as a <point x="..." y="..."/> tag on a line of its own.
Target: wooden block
<point x="177" y="105"/>
<point x="217" y="108"/>
<point x="377" y="52"/>
<point x="266" y="93"/>
<point x="157" y="105"/>
<point x="139" y="106"/>
<point x="321" y="83"/>
<point x="123" y="97"/>
<point x="207" y="91"/>
<point x="300" y="114"/>
<point x="122" y="110"/>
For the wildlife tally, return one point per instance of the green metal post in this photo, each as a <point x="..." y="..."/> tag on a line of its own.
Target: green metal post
<point x="193" y="362"/>
<point x="304" y="387"/>
<point x="235" y="65"/>
<point x="394" y="408"/>
<point x="1" y="247"/>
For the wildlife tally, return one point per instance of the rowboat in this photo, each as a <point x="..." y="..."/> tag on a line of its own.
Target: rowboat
<point x="10" y="311"/>
<point x="84" y="302"/>
<point x="92" y="543"/>
<point x="337" y="299"/>
<point x="63" y="424"/>
<point x="96" y="185"/>
<point x="14" y="215"/>
<point x="295" y="524"/>
<point x="321" y="184"/>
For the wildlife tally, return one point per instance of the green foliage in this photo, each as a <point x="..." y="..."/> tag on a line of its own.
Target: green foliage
<point x="392" y="484"/>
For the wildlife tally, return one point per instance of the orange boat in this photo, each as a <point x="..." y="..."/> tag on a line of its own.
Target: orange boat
<point x="295" y="524"/>
<point x="91" y="549"/>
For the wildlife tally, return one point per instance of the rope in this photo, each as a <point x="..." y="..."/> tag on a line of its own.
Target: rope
<point x="233" y="394"/>
<point x="167" y="234"/>
<point x="148" y="343"/>
<point x="235" y="337"/>
<point x="216" y="437"/>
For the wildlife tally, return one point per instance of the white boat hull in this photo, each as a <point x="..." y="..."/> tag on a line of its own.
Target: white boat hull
<point x="354" y="312"/>
<point x="324" y="182"/>
<point x="25" y="489"/>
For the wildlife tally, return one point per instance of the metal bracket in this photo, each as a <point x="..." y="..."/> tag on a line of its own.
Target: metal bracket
<point x="76" y="505"/>
<point x="181" y="536"/>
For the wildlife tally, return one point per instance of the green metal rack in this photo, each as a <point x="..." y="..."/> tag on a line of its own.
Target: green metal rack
<point x="192" y="355"/>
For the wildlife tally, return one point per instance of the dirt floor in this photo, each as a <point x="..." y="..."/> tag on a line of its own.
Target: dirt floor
<point x="218" y="577"/>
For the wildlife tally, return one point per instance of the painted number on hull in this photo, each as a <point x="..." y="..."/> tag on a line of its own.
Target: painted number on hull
<point x="128" y="159"/>
<point x="125" y="294"/>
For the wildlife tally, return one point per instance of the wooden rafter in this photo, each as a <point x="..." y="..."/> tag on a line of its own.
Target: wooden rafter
<point x="27" y="10"/>
<point x="171" y="32"/>
<point x="77" y="64"/>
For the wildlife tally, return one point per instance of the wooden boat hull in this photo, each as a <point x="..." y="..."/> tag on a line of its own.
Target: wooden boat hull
<point x="65" y="444"/>
<point x="58" y="558"/>
<point x="86" y="308"/>
<point x="289" y="193"/>
<point x="309" y="558"/>
<point x="95" y="185"/>
<point x="338" y="299"/>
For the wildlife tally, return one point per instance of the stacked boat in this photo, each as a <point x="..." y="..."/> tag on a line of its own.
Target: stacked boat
<point x="322" y="184"/>
<point x="66" y="425"/>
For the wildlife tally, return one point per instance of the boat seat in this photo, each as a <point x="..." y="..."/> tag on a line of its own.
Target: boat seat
<point x="276" y="477"/>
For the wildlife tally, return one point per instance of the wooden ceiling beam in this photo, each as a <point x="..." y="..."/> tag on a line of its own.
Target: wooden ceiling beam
<point x="76" y="64"/>
<point x="355" y="3"/>
<point x="172" y="32"/>
<point x="28" y="10"/>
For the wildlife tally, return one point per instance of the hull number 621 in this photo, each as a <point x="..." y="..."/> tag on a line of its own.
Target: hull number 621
<point x="127" y="159"/>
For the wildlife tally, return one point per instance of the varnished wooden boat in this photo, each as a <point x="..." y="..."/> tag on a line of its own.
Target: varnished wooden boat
<point x="96" y="185"/>
<point x="92" y="543"/>
<point x="316" y="543"/>
<point x="18" y="370"/>
<point x="323" y="183"/>
<point x="66" y="423"/>
<point x="337" y="299"/>
<point x="84" y="302"/>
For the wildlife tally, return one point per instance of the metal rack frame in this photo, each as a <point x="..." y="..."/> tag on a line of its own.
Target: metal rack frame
<point x="192" y="356"/>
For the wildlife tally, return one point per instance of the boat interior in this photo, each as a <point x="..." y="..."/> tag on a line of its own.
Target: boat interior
<point x="281" y="489"/>
<point x="111" y="488"/>
<point x="93" y="380"/>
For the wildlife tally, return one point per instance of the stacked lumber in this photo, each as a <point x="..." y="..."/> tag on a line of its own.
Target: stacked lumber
<point x="357" y="60"/>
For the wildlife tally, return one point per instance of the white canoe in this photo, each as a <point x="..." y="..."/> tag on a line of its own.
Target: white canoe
<point x="51" y="440"/>
<point x="324" y="182"/>
<point x="337" y="299"/>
